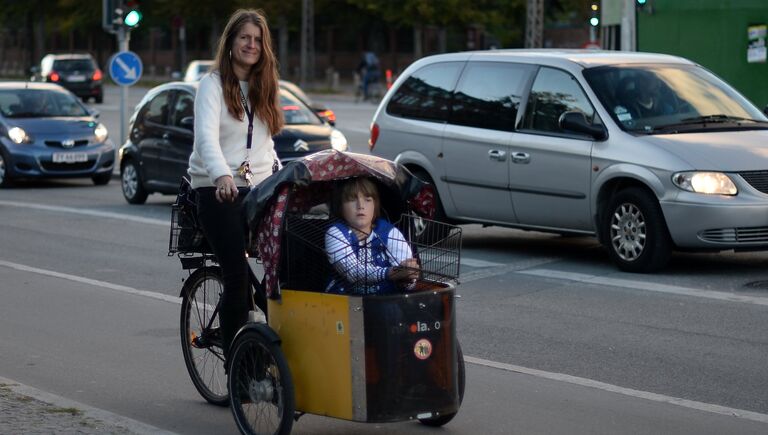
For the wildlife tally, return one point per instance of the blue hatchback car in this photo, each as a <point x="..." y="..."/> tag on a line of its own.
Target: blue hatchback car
<point x="45" y="131"/>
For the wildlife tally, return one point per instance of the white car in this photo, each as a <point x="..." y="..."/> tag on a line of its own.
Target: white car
<point x="196" y="69"/>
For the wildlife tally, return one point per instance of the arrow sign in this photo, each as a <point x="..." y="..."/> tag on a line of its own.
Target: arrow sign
<point x="125" y="68"/>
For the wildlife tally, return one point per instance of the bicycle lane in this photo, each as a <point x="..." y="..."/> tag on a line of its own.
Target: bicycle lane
<point x="117" y="349"/>
<point x="103" y="347"/>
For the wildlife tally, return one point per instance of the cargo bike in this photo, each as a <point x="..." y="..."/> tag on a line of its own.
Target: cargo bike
<point x="353" y="356"/>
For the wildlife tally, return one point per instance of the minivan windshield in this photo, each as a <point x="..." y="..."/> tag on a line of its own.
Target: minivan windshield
<point x="671" y="98"/>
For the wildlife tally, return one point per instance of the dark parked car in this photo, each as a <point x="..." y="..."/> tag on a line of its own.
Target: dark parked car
<point x="156" y="154"/>
<point x="45" y="131"/>
<point x="322" y="111"/>
<point x="77" y="72"/>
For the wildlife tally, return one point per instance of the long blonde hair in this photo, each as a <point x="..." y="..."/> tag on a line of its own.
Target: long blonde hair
<point x="263" y="78"/>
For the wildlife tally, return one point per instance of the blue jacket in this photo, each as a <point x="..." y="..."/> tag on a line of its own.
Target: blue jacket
<point x="378" y="249"/>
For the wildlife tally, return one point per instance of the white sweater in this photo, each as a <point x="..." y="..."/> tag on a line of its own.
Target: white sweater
<point x="220" y="139"/>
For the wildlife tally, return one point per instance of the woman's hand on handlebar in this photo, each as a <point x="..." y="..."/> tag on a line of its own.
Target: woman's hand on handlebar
<point x="226" y="190"/>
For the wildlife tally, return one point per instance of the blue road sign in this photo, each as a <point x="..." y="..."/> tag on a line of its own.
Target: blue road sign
<point x="125" y="68"/>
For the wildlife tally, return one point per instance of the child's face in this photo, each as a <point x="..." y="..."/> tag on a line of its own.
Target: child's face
<point x="358" y="211"/>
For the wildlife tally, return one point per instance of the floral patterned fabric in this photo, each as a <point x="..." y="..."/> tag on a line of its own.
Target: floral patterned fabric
<point x="302" y="184"/>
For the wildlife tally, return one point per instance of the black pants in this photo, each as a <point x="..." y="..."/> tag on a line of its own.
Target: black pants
<point x="225" y="229"/>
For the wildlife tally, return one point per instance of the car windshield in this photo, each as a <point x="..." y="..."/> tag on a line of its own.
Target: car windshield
<point x="70" y="65"/>
<point x="670" y="98"/>
<point x="296" y="112"/>
<point x="38" y="103"/>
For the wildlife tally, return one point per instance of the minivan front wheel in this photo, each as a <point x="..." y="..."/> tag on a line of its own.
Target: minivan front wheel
<point x="635" y="233"/>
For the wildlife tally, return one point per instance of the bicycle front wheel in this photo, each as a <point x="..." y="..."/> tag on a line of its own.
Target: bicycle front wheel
<point x="201" y="340"/>
<point x="260" y="386"/>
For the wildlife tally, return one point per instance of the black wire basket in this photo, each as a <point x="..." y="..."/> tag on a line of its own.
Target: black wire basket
<point x="186" y="233"/>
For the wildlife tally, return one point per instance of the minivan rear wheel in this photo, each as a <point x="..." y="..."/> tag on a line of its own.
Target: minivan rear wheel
<point x="424" y="232"/>
<point x="635" y="233"/>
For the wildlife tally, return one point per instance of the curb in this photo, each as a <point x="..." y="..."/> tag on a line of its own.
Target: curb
<point x="61" y="409"/>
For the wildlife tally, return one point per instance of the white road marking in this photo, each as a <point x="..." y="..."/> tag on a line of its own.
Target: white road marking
<point x="93" y="282"/>
<point x="87" y="212"/>
<point x="717" y="409"/>
<point x="505" y="269"/>
<point x="472" y="262"/>
<point x="469" y="262"/>
<point x="700" y="406"/>
<point x="648" y="286"/>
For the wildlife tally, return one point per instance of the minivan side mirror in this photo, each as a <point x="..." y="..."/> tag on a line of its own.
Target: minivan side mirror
<point x="577" y="122"/>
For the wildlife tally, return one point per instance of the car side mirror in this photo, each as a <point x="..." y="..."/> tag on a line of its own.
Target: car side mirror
<point x="765" y="110"/>
<point x="94" y="112"/>
<point x="188" y="122"/>
<point x="577" y="122"/>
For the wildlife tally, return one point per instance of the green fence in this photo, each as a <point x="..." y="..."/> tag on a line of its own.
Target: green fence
<point x="713" y="33"/>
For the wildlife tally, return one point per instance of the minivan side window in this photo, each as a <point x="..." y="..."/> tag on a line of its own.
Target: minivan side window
<point x="488" y="95"/>
<point x="426" y="94"/>
<point x="553" y="93"/>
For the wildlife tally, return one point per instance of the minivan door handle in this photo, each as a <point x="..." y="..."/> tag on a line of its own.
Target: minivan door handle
<point x="498" y="155"/>
<point x="519" y="157"/>
<point x="166" y="136"/>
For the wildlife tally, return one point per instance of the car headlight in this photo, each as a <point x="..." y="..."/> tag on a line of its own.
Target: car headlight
<point x="712" y="183"/>
<point x="101" y="132"/>
<point x="18" y="135"/>
<point x="338" y="141"/>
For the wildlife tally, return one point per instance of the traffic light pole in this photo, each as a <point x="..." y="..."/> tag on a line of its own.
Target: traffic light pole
<point x="123" y="40"/>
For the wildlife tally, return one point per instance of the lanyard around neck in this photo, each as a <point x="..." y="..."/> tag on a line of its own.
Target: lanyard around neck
<point x="250" y="113"/>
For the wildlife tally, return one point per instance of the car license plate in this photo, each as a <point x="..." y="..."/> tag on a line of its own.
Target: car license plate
<point x="69" y="157"/>
<point x="76" y="78"/>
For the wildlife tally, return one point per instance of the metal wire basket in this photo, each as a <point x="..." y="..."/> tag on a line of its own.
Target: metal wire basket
<point x="318" y="256"/>
<point x="186" y="234"/>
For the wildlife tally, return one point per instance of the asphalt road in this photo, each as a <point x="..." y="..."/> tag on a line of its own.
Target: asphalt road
<point x="557" y="340"/>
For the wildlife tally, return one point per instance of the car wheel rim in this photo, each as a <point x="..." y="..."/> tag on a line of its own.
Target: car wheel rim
<point x="628" y="232"/>
<point x="130" y="181"/>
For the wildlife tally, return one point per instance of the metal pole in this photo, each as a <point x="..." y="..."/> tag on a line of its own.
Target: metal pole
<point x="629" y="27"/>
<point x="123" y="40"/>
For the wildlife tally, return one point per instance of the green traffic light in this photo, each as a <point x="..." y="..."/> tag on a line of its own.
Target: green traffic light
<point x="133" y="18"/>
<point x="594" y="21"/>
<point x="642" y="2"/>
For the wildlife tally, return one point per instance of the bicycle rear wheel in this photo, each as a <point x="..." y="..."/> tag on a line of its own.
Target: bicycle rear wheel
<point x="200" y="334"/>
<point x="260" y="385"/>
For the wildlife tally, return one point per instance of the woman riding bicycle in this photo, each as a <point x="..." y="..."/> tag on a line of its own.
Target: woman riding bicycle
<point x="236" y="114"/>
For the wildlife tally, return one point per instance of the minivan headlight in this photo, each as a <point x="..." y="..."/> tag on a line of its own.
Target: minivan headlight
<point x="712" y="183"/>
<point x="101" y="132"/>
<point x="338" y="140"/>
<point x="18" y="135"/>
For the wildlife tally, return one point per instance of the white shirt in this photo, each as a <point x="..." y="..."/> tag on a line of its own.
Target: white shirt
<point x="220" y="139"/>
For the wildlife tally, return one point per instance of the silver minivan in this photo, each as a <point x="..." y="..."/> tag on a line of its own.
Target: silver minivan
<point x="648" y="152"/>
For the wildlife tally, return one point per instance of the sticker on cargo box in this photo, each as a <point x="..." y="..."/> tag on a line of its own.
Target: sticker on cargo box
<point x="422" y="349"/>
<point x="340" y="327"/>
